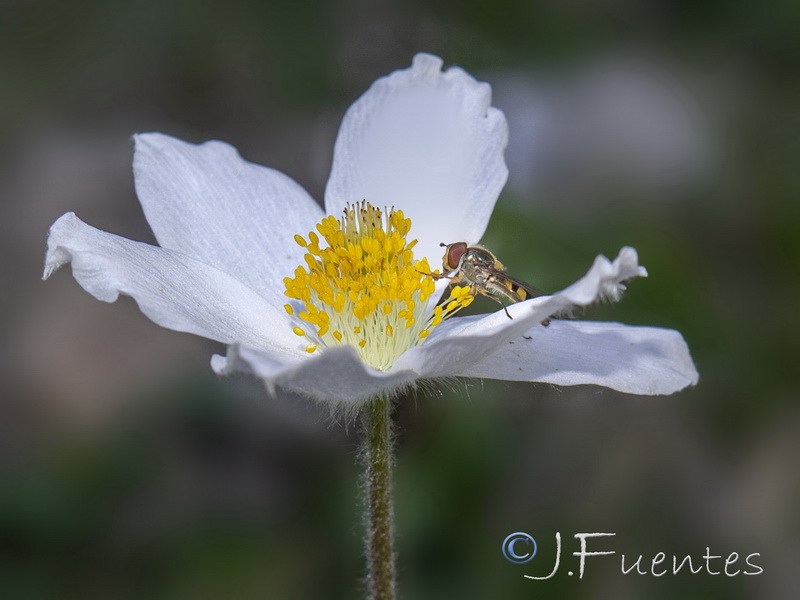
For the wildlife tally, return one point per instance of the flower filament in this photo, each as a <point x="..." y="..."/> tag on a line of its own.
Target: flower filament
<point x="364" y="288"/>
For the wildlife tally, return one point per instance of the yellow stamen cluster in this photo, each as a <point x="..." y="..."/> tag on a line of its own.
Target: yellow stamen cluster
<point x="364" y="288"/>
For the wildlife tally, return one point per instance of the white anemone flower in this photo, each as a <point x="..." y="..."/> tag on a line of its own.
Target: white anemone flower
<point x="240" y="260"/>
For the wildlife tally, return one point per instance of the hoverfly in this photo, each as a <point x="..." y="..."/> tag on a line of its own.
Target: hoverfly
<point x="478" y="268"/>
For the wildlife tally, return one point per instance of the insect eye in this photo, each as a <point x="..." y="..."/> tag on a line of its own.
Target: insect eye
<point x="453" y="254"/>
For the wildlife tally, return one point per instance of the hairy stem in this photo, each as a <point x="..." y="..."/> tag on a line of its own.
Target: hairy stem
<point x="377" y="457"/>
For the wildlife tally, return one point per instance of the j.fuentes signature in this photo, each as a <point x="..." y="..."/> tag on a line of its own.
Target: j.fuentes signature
<point x="521" y="548"/>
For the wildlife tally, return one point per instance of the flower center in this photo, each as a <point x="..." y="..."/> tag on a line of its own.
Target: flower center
<point x="365" y="289"/>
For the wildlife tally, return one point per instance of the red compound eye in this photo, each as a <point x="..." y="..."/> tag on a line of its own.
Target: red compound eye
<point x="453" y="254"/>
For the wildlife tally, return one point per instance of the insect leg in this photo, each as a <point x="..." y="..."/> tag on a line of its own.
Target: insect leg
<point x="496" y="294"/>
<point x="438" y="276"/>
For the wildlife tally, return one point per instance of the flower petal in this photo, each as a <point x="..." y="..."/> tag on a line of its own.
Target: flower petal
<point x="172" y="289"/>
<point x="634" y="360"/>
<point x="464" y="346"/>
<point x="427" y="142"/>
<point x="489" y="332"/>
<point x="207" y="202"/>
<point x="337" y="375"/>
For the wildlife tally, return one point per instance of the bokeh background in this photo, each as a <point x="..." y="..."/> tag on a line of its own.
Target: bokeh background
<point x="130" y="471"/>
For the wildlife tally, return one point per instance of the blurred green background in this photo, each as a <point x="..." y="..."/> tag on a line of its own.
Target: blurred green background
<point x="130" y="471"/>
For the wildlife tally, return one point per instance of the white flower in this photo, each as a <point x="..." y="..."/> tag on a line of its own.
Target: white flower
<point x="423" y="141"/>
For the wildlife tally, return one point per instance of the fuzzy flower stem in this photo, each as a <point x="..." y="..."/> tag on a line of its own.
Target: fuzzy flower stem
<point x="377" y="457"/>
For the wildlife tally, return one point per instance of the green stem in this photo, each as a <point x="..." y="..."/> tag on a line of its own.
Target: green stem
<point x="377" y="457"/>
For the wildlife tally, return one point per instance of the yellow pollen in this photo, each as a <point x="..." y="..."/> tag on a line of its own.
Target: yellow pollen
<point x="361" y="286"/>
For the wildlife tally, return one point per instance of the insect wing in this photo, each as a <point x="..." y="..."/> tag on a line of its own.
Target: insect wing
<point x="522" y="290"/>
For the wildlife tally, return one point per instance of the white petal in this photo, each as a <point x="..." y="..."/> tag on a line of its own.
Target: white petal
<point x="427" y="142"/>
<point x="629" y="359"/>
<point x="635" y="360"/>
<point x="336" y="375"/>
<point x="206" y="201"/>
<point x="172" y="289"/>
<point x="460" y="342"/>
